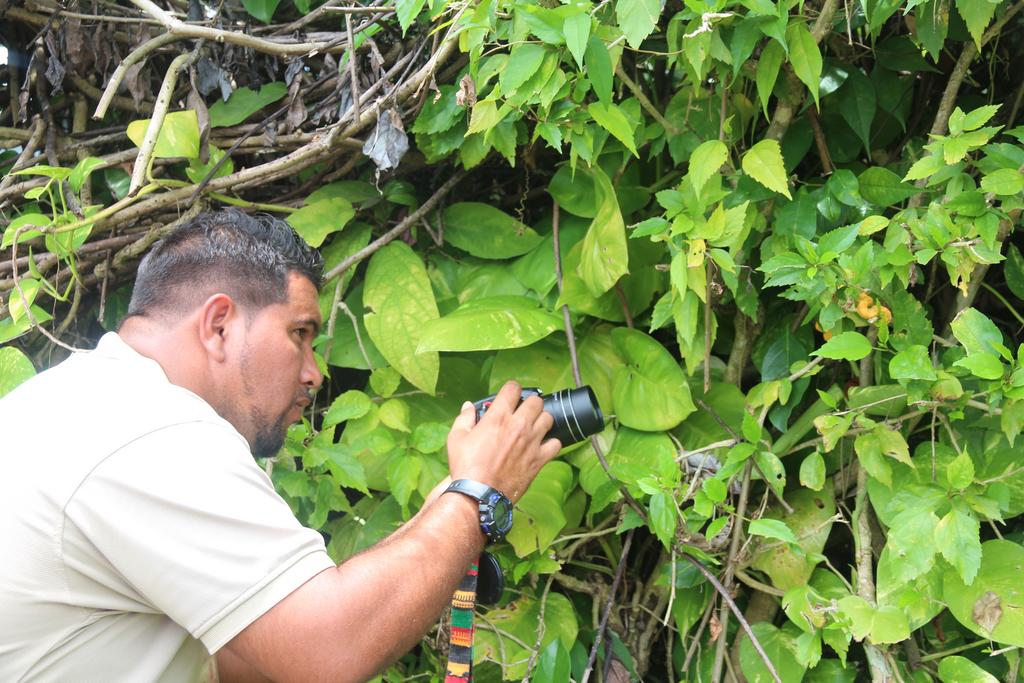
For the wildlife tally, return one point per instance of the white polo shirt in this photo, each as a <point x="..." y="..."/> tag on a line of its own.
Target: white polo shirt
<point x="137" y="534"/>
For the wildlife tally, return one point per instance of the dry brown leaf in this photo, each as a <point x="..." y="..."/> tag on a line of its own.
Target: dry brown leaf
<point x="987" y="612"/>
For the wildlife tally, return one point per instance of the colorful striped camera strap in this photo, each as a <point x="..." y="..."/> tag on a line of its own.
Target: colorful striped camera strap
<point x="460" y="651"/>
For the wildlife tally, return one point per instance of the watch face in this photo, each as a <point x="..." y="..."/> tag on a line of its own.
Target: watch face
<point x="502" y="511"/>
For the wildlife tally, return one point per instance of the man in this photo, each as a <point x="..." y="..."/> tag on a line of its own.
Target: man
<point x="139" y="536"/>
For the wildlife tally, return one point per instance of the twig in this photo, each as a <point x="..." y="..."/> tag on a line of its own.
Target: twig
<point x="730" y="568"/>
<point x="353" y="74"/>
<point x="865" y="581"/>
<point x="608" y="607"/>
<point x="134" y="57"/>
<point x="163" y="102"/>
<point x="739" y="616"/>
<point x="35" y="137"/>
<point x="641" y="97"/>
<point x="394" y="232"/>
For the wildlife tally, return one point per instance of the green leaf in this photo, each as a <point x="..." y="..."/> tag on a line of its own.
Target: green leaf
<point x="540" y="514"/>
<point x="637" y="19"/>
<point x="484" y="117"/>
<point x="977" y="15"/>
<point x="913" y="362"/>
<point x="15" y="368"/>
<point x="407" y="11"/>
<point x="705" y="162"/>
<point x="500" y="322"/>
<point x="524" y="618"/>
<point x="394" y="413"/>
<point x="599" y="68"/>
<point x="767" y="72"/>
<point x="523" y="61"/>
<point x="992" y="606"/>
<point x="845" y="346"/>
<point x="577" y="35"/>
<point x="976" y="332"/>
<point x="771" y="528"/>
<point x="314" y="222"/>
<point x="857" y="105"/>
<point x="780" y="646"/>
<point x="812" y="471"/>
<point x="650" y="392"/>
<point x="604" y="257"/>
<point x="983" y="365"/>
<point x="956" y="537"/>
<point x="404" y="476"/>
<point x="178" y="137"/>
<point x="882" y="187"/>
<point x="881" y="625"/>
<point x="1004" y="181"/>
<point x="957" y="669"/>
<point x="243" y="103"/>
<point x="960" y="472"/>
<point x="429" y="437"/>
<point x="763" y="162"/>
<point x="805" y="57"/>
<point x="345" y="468"/>
<point x="1014" y="271"/>
<point x="574" y="191"/>
<point x="261" y="9"/>
<point x="487" y="232"/>
<point x="611" y="118"/>
<point x="81" y="172"/>
<point x="399" y="302"/>
<point x="911" y="556"/>
<point x="932" y="22"/>
<point x="925" y="167"/>
<point x="349" y="406"/>
<point x="664" y="517"/>
<point x="977" y="118"/>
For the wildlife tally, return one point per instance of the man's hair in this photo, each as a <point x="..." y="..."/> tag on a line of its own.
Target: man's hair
<point x="247" y="257"/>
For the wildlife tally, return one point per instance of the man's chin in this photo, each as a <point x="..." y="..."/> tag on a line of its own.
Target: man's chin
<point x="267" y="444"/>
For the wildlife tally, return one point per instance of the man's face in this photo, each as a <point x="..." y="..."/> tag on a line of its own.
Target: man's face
<point x="277" y="371"/>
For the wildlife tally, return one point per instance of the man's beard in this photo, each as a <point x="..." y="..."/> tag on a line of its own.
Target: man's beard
<point x="269" y="437"/>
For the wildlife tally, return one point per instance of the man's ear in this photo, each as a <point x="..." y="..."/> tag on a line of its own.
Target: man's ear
<point x="216" y="316"/>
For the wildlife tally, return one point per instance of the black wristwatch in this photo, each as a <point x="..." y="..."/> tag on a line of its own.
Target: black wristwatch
<point x="495" y="507"/>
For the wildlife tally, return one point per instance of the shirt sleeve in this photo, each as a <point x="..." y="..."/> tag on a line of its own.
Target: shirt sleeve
<point x="192" y="524"/>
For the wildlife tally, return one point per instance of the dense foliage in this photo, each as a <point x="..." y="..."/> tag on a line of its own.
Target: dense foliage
<point x="776" y="238"/>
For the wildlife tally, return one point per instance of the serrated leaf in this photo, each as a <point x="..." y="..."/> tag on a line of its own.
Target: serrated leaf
<point x="349" y="406"/>
<point x="925" y="167"/>
<point x="913" y="362"/>
<point x="501" y="322"/>
<point x="637" y="19"/>
<point x="599" y="68"/>
<point x="977" y="15"/>
<point x="956" y="537"/>
<point x="805" y="57"/>
<point x="767" y="72"/>
<point x="399" y="302"/>
<point x="771" y="528"/>
<point x="882" y="187"/>
<point x="577" y="35"/>
<point x="1004" y="181"/>
<point x="960" y="472"/>
<point x="407" y="11"/>
<point x="705" y="162"/>
<point x="611" y="118"/>
<point x="763" y="162"/>
<point x="983" y="365"/>
<point x="523" y="61"/>
<point x="664" y="517"/>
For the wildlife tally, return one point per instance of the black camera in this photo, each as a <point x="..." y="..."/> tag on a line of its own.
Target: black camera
<point x="576" y="412"/>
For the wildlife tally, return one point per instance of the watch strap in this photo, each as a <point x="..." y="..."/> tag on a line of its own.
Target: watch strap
<point x="473" y="489"/>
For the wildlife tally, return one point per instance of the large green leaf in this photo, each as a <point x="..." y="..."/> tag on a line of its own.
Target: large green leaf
<point x="882" y="187"/>
<point x="179" y="135"/>
<point x="780" y="646"/>
<point x="810" y="524"/>
<point x="577" y="34"/>
<point x="881" y="625"/>
<point x="500" y="322"/>
<point x="767" y="72"/>
<point x="857" y="105"/>
<point x="314" y="222"/>
<point x="956" y="537"/>
<point x="958" y="669"/>
<point x="243" y="103"/>
<point x="977" y="332"/>
<point x="599" y="68"/>
<point x="705" y="162"/>
<point x="650" y="392"/>
<point x="487" y="232"/>
<point x="763" y="162"/>
<point x="399" y="302"/>
<point x="15" y="368"/>
<point x="407" y="11"/>
<point x="574" y="190"/>
<point x="540" y="513"/>
<point x="522" y="619"/>
<point x="604" y="257"/>
<point x="805" y="56"/>
<point x="637" y="19"/>
<point x="845" y="346"/>
<point x="993" y="604"/>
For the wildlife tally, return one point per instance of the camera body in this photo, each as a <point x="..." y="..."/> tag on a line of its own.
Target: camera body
<point x="576" y="412"/>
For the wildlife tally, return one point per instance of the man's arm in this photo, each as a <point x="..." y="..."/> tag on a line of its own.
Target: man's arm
<point x="348" y="623"/>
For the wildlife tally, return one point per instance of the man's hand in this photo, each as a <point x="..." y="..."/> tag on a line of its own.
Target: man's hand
<point x="504" y="450"/>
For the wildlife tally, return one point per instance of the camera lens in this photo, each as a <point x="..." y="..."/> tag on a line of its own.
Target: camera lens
<point x="577" y="415"/>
